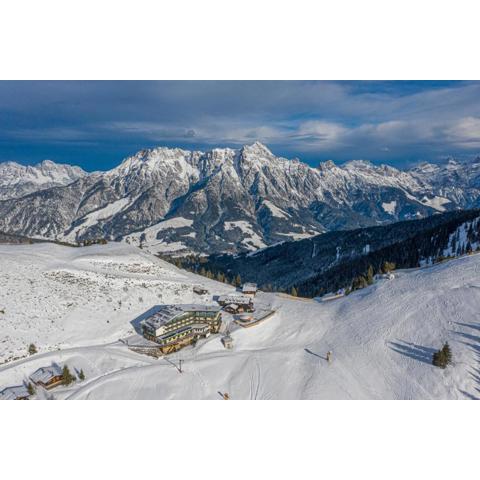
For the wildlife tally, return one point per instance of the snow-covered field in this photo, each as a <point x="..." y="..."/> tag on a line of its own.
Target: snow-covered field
<point x="75" y="303"/>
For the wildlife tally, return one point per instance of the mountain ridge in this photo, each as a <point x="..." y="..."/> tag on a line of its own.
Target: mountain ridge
<point x="232" y="200"/>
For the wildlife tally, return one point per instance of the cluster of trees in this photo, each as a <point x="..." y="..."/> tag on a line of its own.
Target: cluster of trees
<point x="362" y="281"/>
<point x="69" y="378"/>
<point x="427" y="244"/>
<point x="338" y="260"/>
<point x="442" y="357"/>
<point x="200" y="265"/>
<point x="95" y="241"/>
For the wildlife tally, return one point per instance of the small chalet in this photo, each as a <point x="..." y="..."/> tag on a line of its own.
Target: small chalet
<point x="249" y="289"/>
<point x="47" y="377"/>
<point x="231" y="308"/>
<point x="15" y="393"/>
<point x="199" y="290"/>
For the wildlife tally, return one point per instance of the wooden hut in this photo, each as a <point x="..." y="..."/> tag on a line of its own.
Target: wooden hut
<point x="47" y="377"/>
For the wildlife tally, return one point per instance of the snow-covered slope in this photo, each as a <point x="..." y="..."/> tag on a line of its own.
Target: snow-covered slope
<point x="381" y="337"/>
<point x="18" y="180"/>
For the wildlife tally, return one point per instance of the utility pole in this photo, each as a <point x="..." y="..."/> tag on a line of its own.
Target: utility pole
<point x="180" y="365"/>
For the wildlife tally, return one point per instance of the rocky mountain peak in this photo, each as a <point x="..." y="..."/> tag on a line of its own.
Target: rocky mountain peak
<point x="257" y="148"/>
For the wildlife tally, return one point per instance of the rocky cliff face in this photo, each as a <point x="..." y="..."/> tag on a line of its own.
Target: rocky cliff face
<point x="226" y="200"/>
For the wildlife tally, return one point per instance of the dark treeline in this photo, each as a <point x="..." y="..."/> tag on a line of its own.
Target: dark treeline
<point x="336" y="260"/>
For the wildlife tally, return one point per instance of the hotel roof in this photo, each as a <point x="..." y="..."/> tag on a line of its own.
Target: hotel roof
<point x="167" y="313"/>
<point x="237" y="299"/>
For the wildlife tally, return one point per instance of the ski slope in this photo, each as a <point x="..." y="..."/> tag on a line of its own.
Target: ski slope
<point x="65" y="300"/>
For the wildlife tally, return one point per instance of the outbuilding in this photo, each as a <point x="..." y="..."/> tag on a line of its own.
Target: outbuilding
<point x="236" y="303"/>
<point x="199" y="290"/>
<point x="227" y="341"/>
<point x="19" y="392"/>
<point x="249" y="289"/>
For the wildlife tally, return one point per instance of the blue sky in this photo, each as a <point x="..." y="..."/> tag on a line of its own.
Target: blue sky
<point x="97" y="124"/>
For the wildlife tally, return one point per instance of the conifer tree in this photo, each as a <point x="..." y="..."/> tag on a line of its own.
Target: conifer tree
<point x="68" y="378"/>
<point x="32" y="349"/>
<point x="294" y="292"/>
<point x="370" y="275"/>
<point x="238" y="280"/>
<point x="81" y="375"/>
<point x="30" y="389"/>
<point x="442" y="357"/>
<point x="447" y="353"/>
<point x="438" y="359"/>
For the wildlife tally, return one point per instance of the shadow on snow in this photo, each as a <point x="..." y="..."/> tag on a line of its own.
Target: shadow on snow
<point x="417" y="352"/>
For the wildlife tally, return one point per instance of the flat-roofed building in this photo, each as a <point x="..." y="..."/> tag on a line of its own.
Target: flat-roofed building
<point x="174" y="326"/>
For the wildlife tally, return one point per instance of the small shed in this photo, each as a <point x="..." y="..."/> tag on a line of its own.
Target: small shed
<point x="249" y="289"/>
<point x="231" y="308"/>
<point x="19" y="392"/>
<point x="199" y="290"/>
<point x="227" y="341"/>
<point x="47" y="377"/>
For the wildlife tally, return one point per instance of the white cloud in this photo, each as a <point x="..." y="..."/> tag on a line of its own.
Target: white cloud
<point x="327" y="133"/>
<point x="465" y="132"/>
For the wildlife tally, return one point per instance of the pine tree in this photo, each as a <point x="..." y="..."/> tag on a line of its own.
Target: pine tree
<point x="31" y="389"/>
<point x="438" y="359"/>
<point x="68" y="378"/>
<point x="469" y="247"/>
<point x="370" y="275"/>
<point x="238" y="280"/>
<point x="442" y="357"/>
<point x="32" y="349"/>
<point x="294" y="292"/>
<point x="388" y="267"/>
<point x="447" y="353"/>
<point x="81" y="375"/>
<point x="359" y="282"/>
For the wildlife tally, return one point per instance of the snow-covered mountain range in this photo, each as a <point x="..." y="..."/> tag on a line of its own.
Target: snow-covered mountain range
<point x="18" y="180"/>
<point x="223" y="200"/>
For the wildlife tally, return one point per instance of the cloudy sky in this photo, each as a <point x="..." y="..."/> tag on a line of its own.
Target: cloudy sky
<point x="97" y="124"/>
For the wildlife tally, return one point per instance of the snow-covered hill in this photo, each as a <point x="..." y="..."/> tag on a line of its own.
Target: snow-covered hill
<point x="81" y="300"/>
<point x="229" y="200"/>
